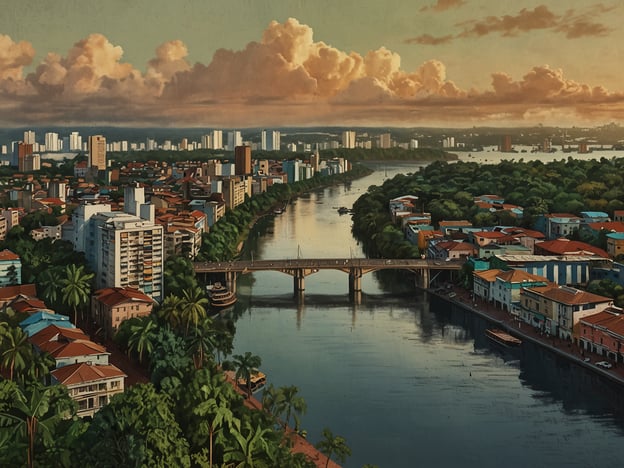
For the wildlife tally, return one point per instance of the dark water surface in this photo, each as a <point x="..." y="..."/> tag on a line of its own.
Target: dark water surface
<point x="406" y="380"/>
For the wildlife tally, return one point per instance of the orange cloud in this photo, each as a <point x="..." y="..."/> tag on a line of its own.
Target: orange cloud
<point x="428" y="39"/>
<point x="285" y="78"/>
<point x="443" y="5"/>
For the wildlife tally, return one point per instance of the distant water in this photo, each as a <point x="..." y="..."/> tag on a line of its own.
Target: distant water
<point x="408" y="381"/>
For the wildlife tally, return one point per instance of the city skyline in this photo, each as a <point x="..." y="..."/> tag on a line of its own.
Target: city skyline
<point x="454" y="63"/>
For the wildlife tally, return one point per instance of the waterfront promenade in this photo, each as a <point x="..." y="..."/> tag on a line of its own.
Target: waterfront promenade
<point x="504" y="320"/>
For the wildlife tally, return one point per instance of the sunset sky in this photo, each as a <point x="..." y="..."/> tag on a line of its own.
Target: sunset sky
<point x="261" y="63"/>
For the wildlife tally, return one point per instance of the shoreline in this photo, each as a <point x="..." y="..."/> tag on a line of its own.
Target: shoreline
<point x="509" y="324"/>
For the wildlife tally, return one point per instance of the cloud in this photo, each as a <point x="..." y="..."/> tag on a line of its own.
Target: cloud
<point x="286" y="77"/>
<point x="443" y="5"/>
<point x="572" y="24"/>
<point x="428" y="39"/>
<point x="14" y="57"/>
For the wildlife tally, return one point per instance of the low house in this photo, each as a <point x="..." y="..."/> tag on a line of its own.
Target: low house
<point x="603" y="333"/>
<point x="503" y="287"/>
<point x="111" y="306"/>
<point x="557" y="310"/>
<point x="615" y="244"/>
<point x="68" y="346"/>
<point x="90" y="386"/>
<point x="563" y="246"/>
<point x="451" y="250"/>
<point x="557" y="225"/>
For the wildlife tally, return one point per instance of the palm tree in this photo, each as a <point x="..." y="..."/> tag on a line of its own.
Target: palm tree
<point x="333" y="445"/>
<point x="193" y="306"/>
<point x="290" y="402"/>
<point x="16" y="350"/>
<point x="76" y="287"/>
<point x="169" y="310"/>
<point x="246" y="365"/>
<point x="50" y="283"/>
<point x="142" y="337"/>
<point x="201" y="342"/>
<point x="217" y="410"/>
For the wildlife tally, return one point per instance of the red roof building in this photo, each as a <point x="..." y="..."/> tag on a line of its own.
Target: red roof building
<point x="111" y="306"/>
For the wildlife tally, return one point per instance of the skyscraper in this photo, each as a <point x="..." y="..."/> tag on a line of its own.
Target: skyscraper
<point x="348" y="139"/>
<point x="217" y="139"/>
<point x="242" y="160"/>
<point x="75" y="142"/>
<point x="505" y="145"/>
<point x="97" y="152"/>
<point x="234" y="139"/>
<point x="385" y="140"/>
<point x="29" y="137"/>
<point x="52" y="142"/>
<point x="270" y="140"/>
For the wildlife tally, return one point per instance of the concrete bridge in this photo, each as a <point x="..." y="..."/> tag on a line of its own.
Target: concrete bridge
<point x="301" y="267"/>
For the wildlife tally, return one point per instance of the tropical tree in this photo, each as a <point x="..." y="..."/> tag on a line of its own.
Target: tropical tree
<point x="49" y="285"/>
<point x="246" y="365"/>
<point x="333" y="445"/>
<point x="16" y="350"/>
<point x="76" y="287"/>
<point x="251" y="448"/>
<point x="32" y="412"/>
<point x="291" y="403"/>
<point x="201" y="342"/>
<point x="143" y="337"/>
<point x="193" y="306"/>
<point x="169" y="310"/>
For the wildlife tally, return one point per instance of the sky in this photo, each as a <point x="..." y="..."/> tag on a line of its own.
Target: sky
<point x="270" y="63"/>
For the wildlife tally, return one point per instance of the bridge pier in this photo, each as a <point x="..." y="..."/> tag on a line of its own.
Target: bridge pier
<point x="299" y="280"/>
<point x="355" y="280"/>
<point x="230" y="280"/>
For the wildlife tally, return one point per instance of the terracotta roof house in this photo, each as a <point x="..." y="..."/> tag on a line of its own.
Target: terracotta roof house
<point x="563" y="246"/>
<point x="111" y="306"/>
<point x="68" y="346"/>
<point x="558" y="309"/>
<point x="603" y="333"/>
<point x="10" y="293"/>
<point x="91" y="386"/>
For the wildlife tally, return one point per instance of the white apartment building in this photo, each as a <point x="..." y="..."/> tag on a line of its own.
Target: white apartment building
<point x="234" y="139"/>
<point x="127" y="252"/>
<point x="348" y="139"/>
<point x="271" y="140"/>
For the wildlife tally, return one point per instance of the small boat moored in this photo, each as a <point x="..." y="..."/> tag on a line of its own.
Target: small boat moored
<point x="256" y="383"/>
<point x="501" y="337"/>
<point x="220" y="296"/>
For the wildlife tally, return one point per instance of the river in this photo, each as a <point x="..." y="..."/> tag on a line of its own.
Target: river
<point x="408" y="382"/>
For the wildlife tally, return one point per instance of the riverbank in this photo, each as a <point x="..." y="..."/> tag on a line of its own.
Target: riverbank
<point x="461" y="298"/>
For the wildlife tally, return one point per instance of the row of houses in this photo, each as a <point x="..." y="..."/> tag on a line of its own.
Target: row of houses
<point x="535" y="275"/>
<point x="81" y="364"/>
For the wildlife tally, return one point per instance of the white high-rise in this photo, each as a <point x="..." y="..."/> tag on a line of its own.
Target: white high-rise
<point x="29" y="137"/>
<point x="348" y="139"/>
<point x="52" y="142"/>
<point x="234" y="139"/>
<point x="216" y="139"/>
<point x="75" y="141"/>
<point x="270" y="140"/>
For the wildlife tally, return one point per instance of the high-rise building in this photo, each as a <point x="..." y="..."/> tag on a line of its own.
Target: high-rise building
<point x="242" y="160"/>
<point x="505" y="145"/>
<point x="234" y="139"/>
<point x="75" y="142"/>
<point x="128" y="252"/>
<point x="29" y="137"/>
<point x="413" y="144"/>
<point x="348" y="139"/>
<point x="52" y="142"/>
<point x="270" y="140"/>
<point x="20" y="151"/>
<point x="216" y="139"/>
<point x="30" y="163"/>
<point x="97" y="152"/>
<point x="385" y="140"/>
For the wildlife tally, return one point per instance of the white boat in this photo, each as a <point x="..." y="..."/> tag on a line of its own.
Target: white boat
<point x="220" y="296"/>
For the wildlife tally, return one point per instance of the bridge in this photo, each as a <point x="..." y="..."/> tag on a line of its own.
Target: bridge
<point x="301" y="267"/>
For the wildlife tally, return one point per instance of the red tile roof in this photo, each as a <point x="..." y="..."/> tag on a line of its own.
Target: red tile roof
<point x="7" y="255"/>
<point x="54" y="333"/>
<point x="569" y="296"/>
<point x="82" y="373"/>
<point x="59" y="349"/>
<point x="10" y="292"/>
<point x="115" y="296"/>
<point x="565" y="246"/>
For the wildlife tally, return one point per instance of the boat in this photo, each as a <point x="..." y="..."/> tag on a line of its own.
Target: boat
<point x="343" y="210"/>
<point x="257" y="381"/>
<point x="501" y="337"/>
<point x="220" y="296"/>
